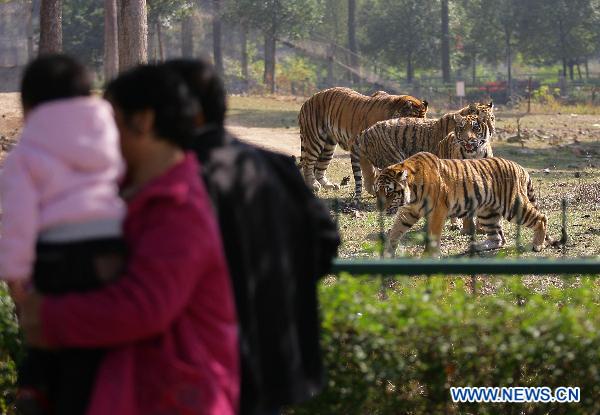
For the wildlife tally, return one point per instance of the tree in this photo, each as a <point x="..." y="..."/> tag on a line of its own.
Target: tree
<point x="277" y="18"/>
<point x="83" y="30"/>
<point x="217" y="49"/>
<point x="50" y="26"/>
<point x="410" y="43"/>
<point x="163" y="13"/>
<point x="352" y="44"/>
<point x="133" y="33"/>
<point x="111" y="43"/>
<point x="559" y="30"/>
<point x="187" y="36"/>
<point x="445" y="42"/>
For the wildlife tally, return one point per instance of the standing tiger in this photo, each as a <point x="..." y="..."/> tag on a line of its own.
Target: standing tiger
<point x="391" y="141"/>
<point x="336" y="116"/>
<point x="489" y="188"/>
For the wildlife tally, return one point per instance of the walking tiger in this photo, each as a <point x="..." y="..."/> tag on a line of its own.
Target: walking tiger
<point x="336" y="116"/>
<point x="490" y="188"/>
<point x="391" y="141"/>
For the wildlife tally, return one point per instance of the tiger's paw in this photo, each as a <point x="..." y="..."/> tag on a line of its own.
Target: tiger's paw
<point x="316" y="187"/>
<point x="488" y="245"/>
<point x="326" y="184"/>
<point x="538" y="248"/>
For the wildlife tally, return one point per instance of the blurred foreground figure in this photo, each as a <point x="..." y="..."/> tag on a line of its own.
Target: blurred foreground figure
<point x="168" y="323"/>
<point x="62" y="218"/>
<point x="279" y="240"/>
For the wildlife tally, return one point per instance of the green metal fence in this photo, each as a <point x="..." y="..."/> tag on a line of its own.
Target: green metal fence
<point x="468" y="264"/>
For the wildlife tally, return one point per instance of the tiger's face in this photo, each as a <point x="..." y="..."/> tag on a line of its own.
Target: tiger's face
<point x="472" y="134"/>
<point x="391" y="185"/>
<point x="411" y="107"/>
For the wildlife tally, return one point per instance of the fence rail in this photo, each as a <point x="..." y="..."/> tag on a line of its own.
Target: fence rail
<point x="468" y="266"/>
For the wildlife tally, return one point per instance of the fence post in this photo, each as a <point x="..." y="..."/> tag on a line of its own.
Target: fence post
<point x="517" y="208"/>
<point x="564" y="236"/>
<point x="472" y="254"/>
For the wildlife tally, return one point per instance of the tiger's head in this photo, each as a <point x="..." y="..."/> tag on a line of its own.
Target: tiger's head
<point x="409" y="106"/>
<point x="484" y="111"/>
<point x="391" y="185"/>
<point x="472" y="134"/>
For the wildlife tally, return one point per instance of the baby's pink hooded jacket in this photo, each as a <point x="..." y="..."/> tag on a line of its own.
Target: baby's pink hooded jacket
<point x="63" y="171"/>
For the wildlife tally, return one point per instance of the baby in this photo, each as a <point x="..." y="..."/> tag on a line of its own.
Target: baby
<point x="61" y="221"/>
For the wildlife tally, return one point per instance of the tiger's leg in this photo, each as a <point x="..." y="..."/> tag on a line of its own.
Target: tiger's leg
<point x="310" y="151"/>
<point x="355" y="160"/>
<point x="368" y="172"/>
<point x="405" y="219"/>
<point x="323" y="162"/>
<point x="531" y="217"/>
<point x="491" y="222"/>
<point x="468" y="225"/>
<point x="436" y="219"/>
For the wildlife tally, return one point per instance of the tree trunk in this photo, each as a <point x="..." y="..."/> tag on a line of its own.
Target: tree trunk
<point x="270" y="45"/>
<point x="508" y="64"/>
<point x="329" y="71"/>
<point x="352" y="44"/>
<point x="187" y="36"/>
<point x="133" y="33"/>
<point x="564" y="63"/>
<point x="409" y="69"/>
<point x="50" y="27"/>
<point x="159" y="37"/>
<point x="217" y="50"/>
<point x="445" y="43"/>
<point x="587" y="68"/>
<point x="474" y="68"/>
<point x="579" y="70"/>
<point x="244" y="55"/>
<point x="30" y="52"/>
<point x="571" y="64"/>
<point x="111" y="44"/>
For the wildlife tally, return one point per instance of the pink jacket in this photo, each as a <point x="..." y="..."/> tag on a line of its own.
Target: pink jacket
<point x="169" y="323"/>
<point x="63" y="171"/>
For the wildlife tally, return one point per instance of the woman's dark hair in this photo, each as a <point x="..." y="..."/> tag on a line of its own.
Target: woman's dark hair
<point x="52" y="77"/>
<point x="205" y="85"/>
<point x="156" y="88"/>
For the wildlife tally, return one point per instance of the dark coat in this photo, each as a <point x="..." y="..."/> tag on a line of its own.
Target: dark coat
<point x="279" y="240"/>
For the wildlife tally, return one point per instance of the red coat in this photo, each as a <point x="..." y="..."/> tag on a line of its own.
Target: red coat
<point x="169" y="323"/>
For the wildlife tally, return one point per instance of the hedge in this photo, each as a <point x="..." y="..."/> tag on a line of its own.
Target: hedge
<point x="401" y="354"/>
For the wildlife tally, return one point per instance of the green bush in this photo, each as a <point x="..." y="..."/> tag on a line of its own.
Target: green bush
<point x="10" y="349"/>
<point x="401" y="354"/>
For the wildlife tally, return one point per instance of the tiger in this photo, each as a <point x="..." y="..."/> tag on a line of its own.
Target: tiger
<point x="490" y="188"/>
<point x="336" y="116"/>
<point x="391" y="141"/>
<point x="471" y="139"/>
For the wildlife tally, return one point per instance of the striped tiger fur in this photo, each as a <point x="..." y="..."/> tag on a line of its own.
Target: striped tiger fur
<point x="336" y="116"/>
<point x="471" y="139"/>
<point x="391" y="141"/>
<point x="490" y="188"/>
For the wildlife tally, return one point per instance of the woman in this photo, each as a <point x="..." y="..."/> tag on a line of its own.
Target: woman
<point x="168" y="322"/>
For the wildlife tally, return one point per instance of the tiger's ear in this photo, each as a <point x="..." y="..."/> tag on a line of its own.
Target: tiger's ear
<point x="459" y="120"/>
<point x="491" y="105"/>
<point x="425" y="104"/>
<point x="402" y="176"/>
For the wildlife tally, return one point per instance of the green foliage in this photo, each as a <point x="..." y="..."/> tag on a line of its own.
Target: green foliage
<point x="402" y="33"/>
<point x="402" y="354"/>
<point x="296" y="74"/>
<point x="168" y="10"/>
<point x="9" y="350"/>
<point x="83" y="30"/>
<point x="287" y="18"/>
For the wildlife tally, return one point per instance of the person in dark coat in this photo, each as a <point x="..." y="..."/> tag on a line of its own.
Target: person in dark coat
<point x="279" y="240"/>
